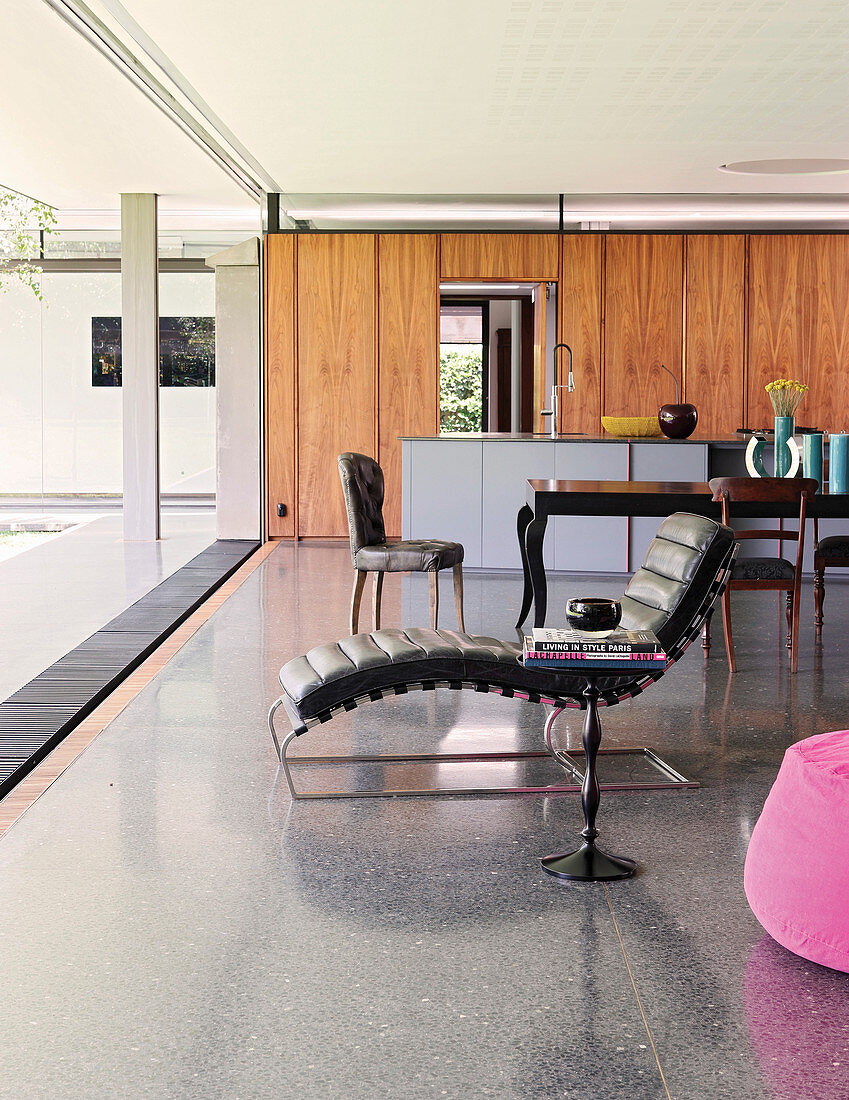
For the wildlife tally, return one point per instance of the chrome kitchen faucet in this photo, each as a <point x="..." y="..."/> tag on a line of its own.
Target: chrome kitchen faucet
<point x="569" y="387"/>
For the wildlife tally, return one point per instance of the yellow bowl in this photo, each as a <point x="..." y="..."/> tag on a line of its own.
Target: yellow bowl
<point x="633" y="426"/>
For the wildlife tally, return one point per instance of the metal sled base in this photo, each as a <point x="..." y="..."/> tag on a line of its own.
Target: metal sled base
<point x="668" y="777"/>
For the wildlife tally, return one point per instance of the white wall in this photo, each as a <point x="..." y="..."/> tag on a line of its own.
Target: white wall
<point x="187" y="414"/>
<point x="20" y="390"/>
<point x="60" y="432"/>
<point x="238" y="308"/>
<point x="82" y="423"/>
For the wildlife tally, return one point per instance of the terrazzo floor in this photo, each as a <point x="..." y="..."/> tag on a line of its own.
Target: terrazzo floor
<point x="171" y="925"/>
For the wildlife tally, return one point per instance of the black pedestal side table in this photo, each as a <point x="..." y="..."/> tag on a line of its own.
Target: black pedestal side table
<point x="589" y="863"/>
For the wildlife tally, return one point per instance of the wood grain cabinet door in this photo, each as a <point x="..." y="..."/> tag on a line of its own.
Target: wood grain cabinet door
<point x="280" y="383"/>
<point x="799" y="325"/>
<point x="643" y="321"/>
<point x="716" y="332"/>
<point x="336" y="370"/>
<point x="499" y="256"/>
<point x="580" y="328"/>
<point x="408" y="353"/>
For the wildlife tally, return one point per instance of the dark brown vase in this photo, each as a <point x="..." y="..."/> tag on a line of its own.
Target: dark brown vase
<point x="678" y="421"/>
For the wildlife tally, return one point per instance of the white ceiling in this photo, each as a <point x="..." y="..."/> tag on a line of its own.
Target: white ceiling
<point x="75" y="133"/>
<point x="448" y="98"/>
<point x="518" y="96"/>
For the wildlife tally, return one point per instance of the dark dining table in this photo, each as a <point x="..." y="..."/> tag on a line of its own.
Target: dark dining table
<point x="547" y="498"/>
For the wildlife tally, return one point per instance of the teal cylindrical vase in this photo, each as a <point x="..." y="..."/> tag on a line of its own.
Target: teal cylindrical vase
<point x="785" y="426"/>
<point x="838" y="463"/>
<point x="812" y="457"/>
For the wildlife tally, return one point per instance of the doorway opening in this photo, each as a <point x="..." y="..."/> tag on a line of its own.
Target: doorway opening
<point x="464" y="365"/>
<point x="492" y="355"/>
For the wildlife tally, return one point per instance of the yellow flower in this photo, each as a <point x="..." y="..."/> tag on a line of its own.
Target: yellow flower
<point x="786" y="395"/>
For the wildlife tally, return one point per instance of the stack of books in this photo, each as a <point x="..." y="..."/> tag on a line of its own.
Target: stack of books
<point x="568" y="651"/>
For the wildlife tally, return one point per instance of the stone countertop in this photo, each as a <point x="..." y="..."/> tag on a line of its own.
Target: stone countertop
<point x="544" y="437"/>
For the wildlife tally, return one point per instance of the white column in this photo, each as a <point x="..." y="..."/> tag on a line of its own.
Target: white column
<point x="238" y="466"/>
<point x="140" y="365"/>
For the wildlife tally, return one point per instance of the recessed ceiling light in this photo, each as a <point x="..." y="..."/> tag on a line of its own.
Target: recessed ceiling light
<point x="791" y="167"/>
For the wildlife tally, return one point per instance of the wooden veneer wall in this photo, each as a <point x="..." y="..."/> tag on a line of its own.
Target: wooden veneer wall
<point x="352" y="355"/>
<point x="352" y="339"/>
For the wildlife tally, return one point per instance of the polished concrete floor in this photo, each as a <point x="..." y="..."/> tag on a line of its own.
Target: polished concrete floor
<point x="170" y="925"/>
<point x="54" y="595"/>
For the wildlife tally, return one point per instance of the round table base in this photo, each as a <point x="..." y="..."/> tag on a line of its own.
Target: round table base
<point x="588" y="864"/>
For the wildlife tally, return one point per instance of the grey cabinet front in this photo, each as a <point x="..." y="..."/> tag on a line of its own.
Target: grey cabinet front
<point x="470" y="491"/>
<point x="668" y="461"/>
<point x="590" y="544"/>
<point x="445" y="493"/>
<point x="507" y="468"/>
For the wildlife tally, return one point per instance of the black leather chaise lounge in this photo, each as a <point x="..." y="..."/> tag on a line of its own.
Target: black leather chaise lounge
<point x="685" y="570"/>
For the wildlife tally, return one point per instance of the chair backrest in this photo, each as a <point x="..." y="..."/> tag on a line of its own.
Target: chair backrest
<point x="362" y="488"/>
<point x="685" y="569"/>
<point x="756" y="496"/>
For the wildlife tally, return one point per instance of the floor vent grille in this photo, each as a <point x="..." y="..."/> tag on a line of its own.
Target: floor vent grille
<point x="40" y="714"/>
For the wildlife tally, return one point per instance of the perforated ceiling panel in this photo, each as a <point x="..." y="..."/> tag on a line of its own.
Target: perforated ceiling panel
<point x="522" y="96"/>
<point x="448" y="97"/>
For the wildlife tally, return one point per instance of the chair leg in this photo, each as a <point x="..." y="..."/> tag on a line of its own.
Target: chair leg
<point x="433" y="597"/>
<point x="706" y="633"/>
<point x="726" y="623"/>
<point x="819" y="597"/>
<point x="458" y="597"/>
<point x="356" y="598"/>
<point x="794" y="630"/>
<point x="377" y="592"/>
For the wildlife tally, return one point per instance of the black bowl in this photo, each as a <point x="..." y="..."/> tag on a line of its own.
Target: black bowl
<point x="593" y="616"/>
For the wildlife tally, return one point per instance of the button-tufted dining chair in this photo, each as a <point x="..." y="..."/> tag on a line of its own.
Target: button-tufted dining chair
<point x="362" y="487"/>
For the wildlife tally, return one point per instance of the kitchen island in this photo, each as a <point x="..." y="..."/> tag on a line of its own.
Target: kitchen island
<point x="469" y="488"/>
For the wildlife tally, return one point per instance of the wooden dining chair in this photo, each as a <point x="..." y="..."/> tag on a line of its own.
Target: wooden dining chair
<point x="362" y="488"/>
<point x="757" y="498"/>
<point x="832" y="552"/>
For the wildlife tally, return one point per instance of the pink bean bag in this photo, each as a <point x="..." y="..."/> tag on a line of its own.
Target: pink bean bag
<point x="797" y="865"/>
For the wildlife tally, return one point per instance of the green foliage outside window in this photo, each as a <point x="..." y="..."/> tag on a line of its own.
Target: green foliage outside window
<point x="460" y="391"/>
<point x="21" y="220"/>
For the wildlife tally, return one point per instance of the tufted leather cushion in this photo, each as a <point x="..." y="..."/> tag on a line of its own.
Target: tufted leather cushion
<point x="413" y="556"/>
<point x="362" y="488"/>
<point x="763" y="569"/>
<point x="330" y="674"/>
<point x="680" y="563"/>
<point x="834" y="547"/>
<point x="665" y="595"/>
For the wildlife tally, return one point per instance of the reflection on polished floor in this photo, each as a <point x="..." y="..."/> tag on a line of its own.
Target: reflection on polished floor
<point x="171" y="925"/>
<point x="53" y="596"/>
